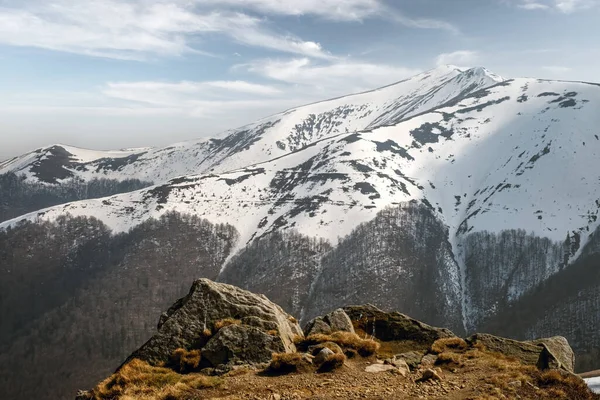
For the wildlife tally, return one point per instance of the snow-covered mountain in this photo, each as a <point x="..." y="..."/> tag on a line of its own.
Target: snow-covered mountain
<point x="519" y="154"/>
<point x="268" y="138"/>
<point x="456" y="196"/>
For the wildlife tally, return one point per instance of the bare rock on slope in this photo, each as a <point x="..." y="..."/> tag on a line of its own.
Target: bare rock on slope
<point x="393" y="326"/>
<point x="192" y="320"/>
<point x="549" y="353"/>
<point x="556" y="348"/>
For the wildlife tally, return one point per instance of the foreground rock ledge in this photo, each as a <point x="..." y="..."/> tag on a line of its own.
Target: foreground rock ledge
<point x="227" y="328"/>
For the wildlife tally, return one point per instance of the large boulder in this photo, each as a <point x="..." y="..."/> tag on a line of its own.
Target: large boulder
<point x="335" y="321"/>
<point x="394" y="326"/>
<point x="551" y="353"/>
<point x="193" y="321"/>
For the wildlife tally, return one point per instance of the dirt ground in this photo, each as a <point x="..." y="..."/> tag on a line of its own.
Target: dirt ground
<point x="479" y="380"/>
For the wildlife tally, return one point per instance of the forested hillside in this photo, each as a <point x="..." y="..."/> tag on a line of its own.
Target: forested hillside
<point x="19" y="196"/>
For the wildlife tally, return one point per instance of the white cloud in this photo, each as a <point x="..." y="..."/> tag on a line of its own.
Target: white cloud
<point x="337" y="10"/>
<point x="139" y="29"/>
<point x="298" y="81"/>
<point x="331" y="79"/>
<point x="463" y="58"/>
<point x="533" y="6"/>
<point x="135" y="29"/>
<point x="564" y="6"/>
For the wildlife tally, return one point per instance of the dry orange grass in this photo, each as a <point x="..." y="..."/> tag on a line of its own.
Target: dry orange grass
<point x="454" y="344"/>
<point x="226" y="322"/>
<point x="506" y="377"/>
<point x="346" y="340"/>
<point x="186" y="361"/>
<point x="287" y="363"/>
<point x="139" y="380"/>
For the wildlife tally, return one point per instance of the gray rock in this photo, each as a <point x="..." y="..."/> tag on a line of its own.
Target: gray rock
<point x="394" y="325"/>
<point x="335" y="321"/>
<point x="322" y="355"/>
<point x="557" y="350"/>
<point x="429" y="360"/>
<point x="241" y="343"/>
<point x="400" y="364"/>
<point x="412" y="358"/>
<point x="338" y="320"/>
<point x="551" y="353"/>
<point x="260" y="323"/>
<point x="183" y="324"/>
<point x="377" y="368"/>
<point x="317" y="326"/>
<point x="430" y="374"/>
<point x="527" y="353"/>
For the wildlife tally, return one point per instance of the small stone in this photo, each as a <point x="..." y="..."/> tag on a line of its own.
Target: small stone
<point x="429" y="360"/>
<point x="430" y="375"/>
<point x="376" y="368"/>
<point x="401" y="365"/>
<point x="323" y="354"/>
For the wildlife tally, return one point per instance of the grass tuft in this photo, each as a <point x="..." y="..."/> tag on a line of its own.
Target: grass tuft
<point x="287" y="363"/>
<point x="186" y="361"/>
<point x="346" y="340"/>
<point x="220" y="324"/>
<point x="139" y="380"/>
<point x="454" y="344"/>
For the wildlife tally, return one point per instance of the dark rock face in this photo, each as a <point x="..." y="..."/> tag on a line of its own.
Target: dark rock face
<point x="241" y="344"/>
<point x="184" y="325"/>
<point x="394" y="326"/>
<point x="548" y="353"/>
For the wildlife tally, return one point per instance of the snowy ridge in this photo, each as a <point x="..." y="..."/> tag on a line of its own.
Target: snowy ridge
<point x="491" y="161"/>
<point x="269" y="138"/>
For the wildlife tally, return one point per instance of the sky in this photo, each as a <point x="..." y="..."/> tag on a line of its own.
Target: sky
<point x="110" y="74"/>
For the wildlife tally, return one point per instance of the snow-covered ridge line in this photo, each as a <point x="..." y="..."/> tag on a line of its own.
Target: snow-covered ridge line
<point x="475" y="160"/>
<point x="269" y="138"/>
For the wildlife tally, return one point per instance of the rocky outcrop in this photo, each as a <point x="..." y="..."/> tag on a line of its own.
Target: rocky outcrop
<point x="550" y="353"/>
<point x="257" y="327"/>
<point x="335" y="321"/>
<point x="556" y="349"/>
<point x="394" y="326"/>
